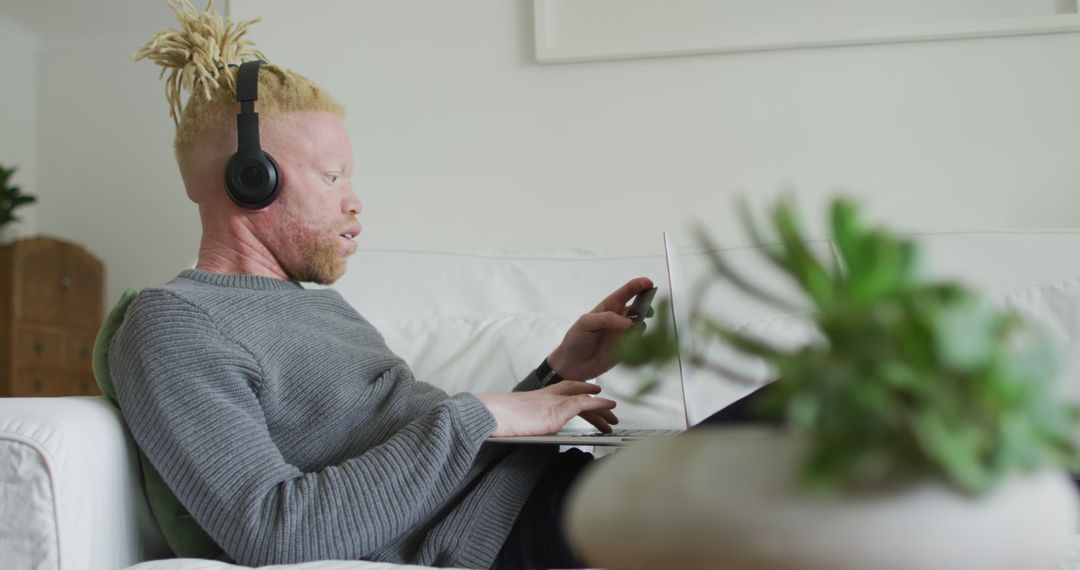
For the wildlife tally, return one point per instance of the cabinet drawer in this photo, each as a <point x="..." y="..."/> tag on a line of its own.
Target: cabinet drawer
<point x="36" y="348"/>
<point x="40" y="382"/>
<point x="78" y="352"/>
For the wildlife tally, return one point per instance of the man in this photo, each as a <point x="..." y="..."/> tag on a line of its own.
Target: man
<point x="276" y="414"/>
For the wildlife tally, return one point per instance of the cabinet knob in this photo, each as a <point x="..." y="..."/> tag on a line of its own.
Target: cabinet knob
<point x="65" y="282"/>
<point x="83" y="353"/>
<point x="39" y="386"/>
<point x="39" y="348"/>
<point x="84" y="387"/>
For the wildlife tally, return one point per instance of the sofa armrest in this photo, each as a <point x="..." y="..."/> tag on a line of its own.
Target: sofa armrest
<point x="72" y="493"/>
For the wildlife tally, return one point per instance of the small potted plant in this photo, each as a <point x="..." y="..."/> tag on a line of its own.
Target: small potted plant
<point x="11" y="197"/>
<point x="920" y="429"/>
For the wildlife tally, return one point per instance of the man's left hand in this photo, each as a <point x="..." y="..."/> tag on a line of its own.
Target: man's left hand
<point x="588" y="350"/>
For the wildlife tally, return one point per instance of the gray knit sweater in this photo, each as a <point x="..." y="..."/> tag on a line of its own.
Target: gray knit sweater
<point x="288" y="429"/>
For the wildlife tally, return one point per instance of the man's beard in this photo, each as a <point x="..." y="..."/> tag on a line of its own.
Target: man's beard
<point x="321" y="261"/>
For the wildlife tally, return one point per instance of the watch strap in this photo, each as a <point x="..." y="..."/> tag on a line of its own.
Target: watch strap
<point x="547" y="374"/>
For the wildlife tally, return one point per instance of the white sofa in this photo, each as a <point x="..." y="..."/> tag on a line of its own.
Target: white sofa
<point x="468" y="321"/>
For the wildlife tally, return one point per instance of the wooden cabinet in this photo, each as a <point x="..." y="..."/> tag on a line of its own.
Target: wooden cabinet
<point x="50" y="311"/>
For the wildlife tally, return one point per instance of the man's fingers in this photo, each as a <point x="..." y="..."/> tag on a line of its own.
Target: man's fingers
<point x="606" y="320"/>
<point x="597" y="416"/>
<point x="573" y="388"/>
<point x="597" y="421"/>
<point x="608" y="416"/>
<point x="586" y="403"/>
<point x="622" y="295"/>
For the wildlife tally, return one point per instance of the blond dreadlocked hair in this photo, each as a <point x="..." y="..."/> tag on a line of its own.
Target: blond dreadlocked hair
<point x="203" y="58"/>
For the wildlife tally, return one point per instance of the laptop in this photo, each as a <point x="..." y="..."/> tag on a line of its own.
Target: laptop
<point x="622" y="436"/>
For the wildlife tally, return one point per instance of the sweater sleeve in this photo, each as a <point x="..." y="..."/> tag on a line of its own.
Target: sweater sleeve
<point x="530" y="383"/>
<point x="189" y="396"/>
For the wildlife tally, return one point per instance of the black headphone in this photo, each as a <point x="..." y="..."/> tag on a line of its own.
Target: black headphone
<point x="252" y="175"/>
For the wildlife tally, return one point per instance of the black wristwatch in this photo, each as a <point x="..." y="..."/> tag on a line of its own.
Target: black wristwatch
<point x="547" y="374"/>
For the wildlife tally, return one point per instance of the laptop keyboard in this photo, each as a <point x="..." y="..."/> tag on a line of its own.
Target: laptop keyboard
<point x="636" y="433"/>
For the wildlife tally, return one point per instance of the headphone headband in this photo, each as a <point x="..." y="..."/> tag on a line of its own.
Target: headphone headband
<point x="251" y="177"/>
<point x="247" y="81"/>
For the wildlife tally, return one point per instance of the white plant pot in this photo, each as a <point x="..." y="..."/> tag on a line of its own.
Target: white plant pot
<point x="729" y="498"/>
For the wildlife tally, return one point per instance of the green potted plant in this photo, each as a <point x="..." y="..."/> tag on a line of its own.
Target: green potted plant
<point x="11" y="197"/>
<point x="919" y="429"/>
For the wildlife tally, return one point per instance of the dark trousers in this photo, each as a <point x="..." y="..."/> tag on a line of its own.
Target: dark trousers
<point x="538" y="540"/>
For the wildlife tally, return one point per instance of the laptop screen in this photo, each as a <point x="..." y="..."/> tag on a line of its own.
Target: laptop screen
<point x="680" y="314"/>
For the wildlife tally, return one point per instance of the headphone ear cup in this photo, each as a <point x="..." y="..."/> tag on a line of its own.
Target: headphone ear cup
<point x="252" y="181"/>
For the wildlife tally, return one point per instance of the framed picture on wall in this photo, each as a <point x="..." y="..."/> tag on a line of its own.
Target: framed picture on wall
<point x="586" y="30"/>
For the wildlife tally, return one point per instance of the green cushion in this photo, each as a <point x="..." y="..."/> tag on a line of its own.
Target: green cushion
<point x="181" y="532"/>
<point x="101" y="344"/>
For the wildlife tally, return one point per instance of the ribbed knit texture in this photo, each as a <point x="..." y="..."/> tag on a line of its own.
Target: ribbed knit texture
<point x="288" y="429"/>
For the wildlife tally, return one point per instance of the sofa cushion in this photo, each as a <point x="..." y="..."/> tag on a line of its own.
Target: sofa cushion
<point x="397" y="283"/>
<point x="493" y="352"/>
<point x="424" y="300"/>
<point x="69" y="487"/>
<point x="104" y="337"/>
<point x="1001" y="262"/>
<point x="1054" y="307"/>
<point x="31" y="539"/>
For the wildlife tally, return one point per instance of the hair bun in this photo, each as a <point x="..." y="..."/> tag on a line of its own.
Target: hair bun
<point x="198" y="53"/>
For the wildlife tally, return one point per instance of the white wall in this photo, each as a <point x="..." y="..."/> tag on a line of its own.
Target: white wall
<point x="19" y="49"/>
<point x="462" y="141"/>
<point x="113" y="184"/>
<point x="461" y="138"/>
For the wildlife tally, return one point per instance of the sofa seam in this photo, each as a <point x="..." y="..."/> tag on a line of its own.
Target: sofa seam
<point x="587" y="256"/>
<point x="525" y="256"/>
<point x="50" y="469"/>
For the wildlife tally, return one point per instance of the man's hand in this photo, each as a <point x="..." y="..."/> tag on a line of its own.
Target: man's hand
<point x="547" y="410"/>
<point x="588" y="350"/>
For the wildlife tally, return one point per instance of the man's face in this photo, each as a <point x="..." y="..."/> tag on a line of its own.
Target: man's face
<point x="308" y="224"/>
